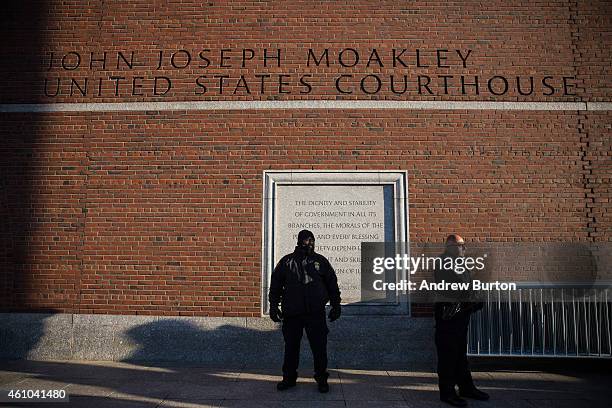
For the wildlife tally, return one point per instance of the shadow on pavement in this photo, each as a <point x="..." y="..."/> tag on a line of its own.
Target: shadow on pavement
<point x="248" y="378"/>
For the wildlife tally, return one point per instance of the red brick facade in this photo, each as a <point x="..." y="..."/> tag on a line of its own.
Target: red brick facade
<point x="159" y="212"/>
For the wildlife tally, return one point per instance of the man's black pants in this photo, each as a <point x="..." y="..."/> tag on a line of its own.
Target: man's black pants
<point x="316" y="331"/>
<point x="451" y="346"/>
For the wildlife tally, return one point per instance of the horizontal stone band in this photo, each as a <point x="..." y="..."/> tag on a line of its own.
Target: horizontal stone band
<point x="304" y="104"/>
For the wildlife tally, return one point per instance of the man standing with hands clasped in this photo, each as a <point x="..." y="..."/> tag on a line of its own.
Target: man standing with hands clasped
<point x="303" y="282"/>
<point x="452" y="314"/>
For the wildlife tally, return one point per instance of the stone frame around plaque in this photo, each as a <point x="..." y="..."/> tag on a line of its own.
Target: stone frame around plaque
<point x="397" y="179"/>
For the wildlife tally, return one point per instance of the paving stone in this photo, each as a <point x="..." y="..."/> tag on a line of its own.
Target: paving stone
<point x="121" y="384"/>
<point x="369" y="385"/>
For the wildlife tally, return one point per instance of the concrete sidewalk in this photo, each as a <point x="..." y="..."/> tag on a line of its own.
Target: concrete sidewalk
<point x="512" y="383"/>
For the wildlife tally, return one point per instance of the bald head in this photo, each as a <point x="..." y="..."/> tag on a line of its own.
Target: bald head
<point x="454" y="239"/>
<point x="455" y="245"/>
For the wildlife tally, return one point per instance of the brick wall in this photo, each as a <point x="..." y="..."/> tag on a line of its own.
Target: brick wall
<point x="159" y="212"/>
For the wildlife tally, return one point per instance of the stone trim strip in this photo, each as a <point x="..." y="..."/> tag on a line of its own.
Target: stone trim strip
<point x="302" y="104"/>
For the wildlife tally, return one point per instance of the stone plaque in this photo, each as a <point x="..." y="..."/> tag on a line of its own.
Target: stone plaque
<point x="342" y="209"/>
<point x="341" y="217"/>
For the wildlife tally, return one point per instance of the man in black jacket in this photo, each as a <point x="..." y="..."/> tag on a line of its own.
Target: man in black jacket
<point x="303" y="282"/>
<point x="452" y="314"/>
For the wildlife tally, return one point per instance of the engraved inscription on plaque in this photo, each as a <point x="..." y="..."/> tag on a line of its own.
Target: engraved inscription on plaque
<point x="341" y="217"/>
<point x="343" y="208"/>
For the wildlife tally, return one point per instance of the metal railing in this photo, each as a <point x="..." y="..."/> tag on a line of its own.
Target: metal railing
<point x="537" y="320"/>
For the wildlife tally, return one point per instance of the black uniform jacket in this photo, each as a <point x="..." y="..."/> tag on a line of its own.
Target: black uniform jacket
<point x="303" y="283"/>
<point x="462" y="301"/>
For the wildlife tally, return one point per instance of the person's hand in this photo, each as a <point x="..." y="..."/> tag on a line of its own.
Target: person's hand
<point x="275" y="314"/>
<point x="472" y="307"/>
<point x="450" y="310"/>
<point x="477" y="306"/>
<point x="334" y="313"/>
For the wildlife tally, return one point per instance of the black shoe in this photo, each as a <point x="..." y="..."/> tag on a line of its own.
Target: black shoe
<point x="285" y="384"/>
<point x="454" y="400"/>
<point x="321" y="380"/>
<point x="474" y="393"/>
<point x="323" y="386"/>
